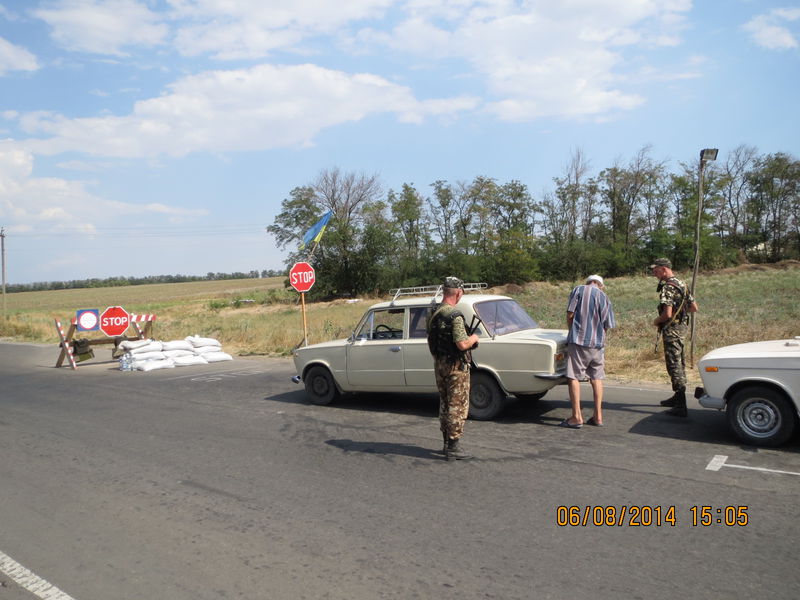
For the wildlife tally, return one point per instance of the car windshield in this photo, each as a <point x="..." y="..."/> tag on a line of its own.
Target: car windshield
<point x="504" y="316"/>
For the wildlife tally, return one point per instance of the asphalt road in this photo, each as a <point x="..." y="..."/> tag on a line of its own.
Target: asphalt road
<point x="221" y="481"/>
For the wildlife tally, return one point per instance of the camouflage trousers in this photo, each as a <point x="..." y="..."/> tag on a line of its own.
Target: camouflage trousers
<point x="452" y="380"/>
<point x="674" y="337"/>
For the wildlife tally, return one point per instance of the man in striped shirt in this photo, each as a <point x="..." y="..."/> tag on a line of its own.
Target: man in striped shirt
<point x="589" y="317"/>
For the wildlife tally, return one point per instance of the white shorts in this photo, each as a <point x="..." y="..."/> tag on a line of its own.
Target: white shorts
<point x="583" y="362"/>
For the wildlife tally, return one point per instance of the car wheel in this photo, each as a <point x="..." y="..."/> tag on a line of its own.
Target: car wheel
<point x="320" y="386"/>
<point x="486" y="399"/>
<point x="530" y="397"/>
<point x="761" y="416"/>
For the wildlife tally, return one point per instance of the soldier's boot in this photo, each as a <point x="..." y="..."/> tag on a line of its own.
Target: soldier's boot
<point x="670" y="401"/>
<point x="444" y="447"/>
<point x="679" y="410"/>
<point x="454" y="451"/>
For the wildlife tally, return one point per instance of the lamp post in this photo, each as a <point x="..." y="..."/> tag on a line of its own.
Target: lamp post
<point x="706" y="155"/>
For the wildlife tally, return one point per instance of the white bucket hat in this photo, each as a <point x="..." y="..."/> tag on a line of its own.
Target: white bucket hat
<point x="596" y="278"/>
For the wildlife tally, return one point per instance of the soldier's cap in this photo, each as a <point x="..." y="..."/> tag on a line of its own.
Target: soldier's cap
<point x="596" y="278"/>
<point x="661" y="262"/>
<point x="453" y="282"/>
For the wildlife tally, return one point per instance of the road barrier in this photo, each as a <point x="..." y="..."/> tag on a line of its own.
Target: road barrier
<point x="79" y="350"/>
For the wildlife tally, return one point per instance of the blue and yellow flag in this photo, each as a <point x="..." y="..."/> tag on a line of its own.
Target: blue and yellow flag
<point x="315" y="233"/>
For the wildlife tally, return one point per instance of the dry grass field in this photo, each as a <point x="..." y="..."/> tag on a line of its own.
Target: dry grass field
<point x="260" y="317"/>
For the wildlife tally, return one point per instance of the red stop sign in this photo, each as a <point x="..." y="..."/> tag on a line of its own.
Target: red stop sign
<point x="114" y="321"/>
<point x="302" y="276"/>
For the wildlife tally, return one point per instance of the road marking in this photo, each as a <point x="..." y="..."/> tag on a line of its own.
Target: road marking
<point x="716" y="463"/>
<point x="219" y="374"/>
<point x="30" y="581"/>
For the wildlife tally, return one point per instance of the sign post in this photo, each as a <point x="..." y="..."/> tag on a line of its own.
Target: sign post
<point x="302" y="278"/>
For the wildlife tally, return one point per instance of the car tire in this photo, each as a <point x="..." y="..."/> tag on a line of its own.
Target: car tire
<point x="530" y="397"/>
<point x="761" y="416"/>
<point x="320" y="387"/>
<point x="486" y="399"/>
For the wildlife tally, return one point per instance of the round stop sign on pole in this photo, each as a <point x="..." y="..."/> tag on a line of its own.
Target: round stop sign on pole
<point x="114" y="321"/>
<point x="302" y="276"/>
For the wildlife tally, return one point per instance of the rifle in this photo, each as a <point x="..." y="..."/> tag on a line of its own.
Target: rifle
<point x="473" y="325"/>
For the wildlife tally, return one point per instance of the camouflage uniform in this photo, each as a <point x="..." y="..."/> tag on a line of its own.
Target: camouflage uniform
<point x="451" y="368"/>
<point x="671" y="293"/>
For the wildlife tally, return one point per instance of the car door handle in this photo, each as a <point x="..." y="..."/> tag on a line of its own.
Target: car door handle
<point x="395" y="348"/>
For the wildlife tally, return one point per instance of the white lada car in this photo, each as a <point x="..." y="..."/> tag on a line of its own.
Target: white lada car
<point x="388" y="352"/>
<point x="758" y="386"/>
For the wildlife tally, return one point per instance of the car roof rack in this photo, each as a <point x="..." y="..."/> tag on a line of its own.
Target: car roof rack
<point x="431" y="290"/>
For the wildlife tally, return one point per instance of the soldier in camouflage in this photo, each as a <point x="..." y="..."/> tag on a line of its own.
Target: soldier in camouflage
<point x="450" y="344"/>
<point x="675" y="302"/>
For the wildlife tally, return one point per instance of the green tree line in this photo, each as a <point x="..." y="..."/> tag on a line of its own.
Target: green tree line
<point x="612" y="222"/>
<point x="123" y="281"/>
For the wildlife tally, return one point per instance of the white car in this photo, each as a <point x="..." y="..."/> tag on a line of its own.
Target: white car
<point x="758" y="386"/>
<point x="388" y="352"/>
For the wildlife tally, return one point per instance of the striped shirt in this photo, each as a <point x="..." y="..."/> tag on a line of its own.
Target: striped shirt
<point x="593" y="315"/>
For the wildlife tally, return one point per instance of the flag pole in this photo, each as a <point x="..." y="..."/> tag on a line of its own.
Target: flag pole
<point x="312" y="235"/>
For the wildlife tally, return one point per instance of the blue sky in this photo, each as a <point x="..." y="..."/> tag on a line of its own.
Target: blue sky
<point x="145" y="137"/>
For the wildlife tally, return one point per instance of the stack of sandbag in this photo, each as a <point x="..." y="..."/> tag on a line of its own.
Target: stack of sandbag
<point x="143" y="355"/>
<point x="182" y="353"/>
<point x="208" y="348"/>
<point x="148" y="355"/>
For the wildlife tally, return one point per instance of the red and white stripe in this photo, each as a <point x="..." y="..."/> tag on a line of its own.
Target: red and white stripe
<point x="66" y="346"/>
<point x="142" y="318"/>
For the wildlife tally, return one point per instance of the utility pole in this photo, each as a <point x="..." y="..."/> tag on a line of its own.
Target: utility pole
<point x="3" y="259"/>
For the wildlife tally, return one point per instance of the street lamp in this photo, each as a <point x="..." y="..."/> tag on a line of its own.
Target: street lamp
<point x="706" y="155"/>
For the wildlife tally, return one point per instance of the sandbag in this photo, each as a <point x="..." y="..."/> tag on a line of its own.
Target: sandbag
<point x="142" y="356"/>
<point x="206" y="349"/>
<point x="152" y="365"/>
<point x="185" y="361"/>
<point x="178" y="353"/>
<point x="198" y="342"/>
<point x="153" y="346"/>
<point x="128" y="345"/>
<point x="178" y="345"/>
<point x="216" y="356"/>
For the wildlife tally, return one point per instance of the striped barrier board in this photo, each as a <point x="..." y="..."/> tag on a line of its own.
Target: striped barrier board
<point x="143" y="318"/>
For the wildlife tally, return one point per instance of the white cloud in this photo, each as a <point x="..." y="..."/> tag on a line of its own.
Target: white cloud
<point x="246" y="109"/>
<point x="772" y="30"/>
<point x="559" y="58"/>
<point x="255" y="28"/>
<point x="533" y="59"/>
<point x="81" y="165"/>
<point x="103" y="26"/>
<point x="15" y="58"/>
<point x="28" y="202"/>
